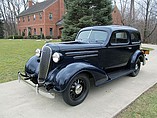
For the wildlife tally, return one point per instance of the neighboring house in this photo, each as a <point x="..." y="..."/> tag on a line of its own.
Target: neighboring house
<point x="116" y="16"/>
<point x="45" y="18"/>
<point x="42" y="18"/>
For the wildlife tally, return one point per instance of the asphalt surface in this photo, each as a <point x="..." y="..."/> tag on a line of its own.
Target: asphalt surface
<point x="17" y="100"/>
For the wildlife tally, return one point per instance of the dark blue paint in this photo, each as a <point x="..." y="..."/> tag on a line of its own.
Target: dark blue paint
<point x="61" y="77"/>
<point x="135" y="56"/>
<point x="94" y="59"/>
<point x="32" y="65"/>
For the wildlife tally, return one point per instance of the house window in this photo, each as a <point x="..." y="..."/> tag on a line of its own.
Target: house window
<point x="50" y="16"/>
<point x="23" y="32"/>
<point x="51" y="31"/>
<point x="41" y="31"/>
<point x="28" y="18"/>
<point x="29" y="31"/>
<point x="23" y="19"/>
<point x="34" y="17"/>
<point x="40" y="15"/>
<point x="20" y="32"/>
<point x="35" y="31"/>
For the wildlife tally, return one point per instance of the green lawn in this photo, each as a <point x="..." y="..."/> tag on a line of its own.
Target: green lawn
<point x="144" y="107"/>
<point x="13" y="56"/>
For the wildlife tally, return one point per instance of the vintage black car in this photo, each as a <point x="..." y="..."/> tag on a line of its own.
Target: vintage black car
<point x="98" y="55"/>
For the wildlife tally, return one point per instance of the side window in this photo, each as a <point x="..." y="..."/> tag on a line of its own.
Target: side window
<point x="119" y="38"/>
<point x="50" y="16"/>
<point x="135" y="37"/>
<point x="99" y="35"/>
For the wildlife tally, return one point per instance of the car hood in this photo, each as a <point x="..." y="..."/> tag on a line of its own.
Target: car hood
<point x="74" y="45"/>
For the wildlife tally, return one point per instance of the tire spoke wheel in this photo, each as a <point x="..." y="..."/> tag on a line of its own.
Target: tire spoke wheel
<point x="137" y="68"/>
<point x="77" y="90"/>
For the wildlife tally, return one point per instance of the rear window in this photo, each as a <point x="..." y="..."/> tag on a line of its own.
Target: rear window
<point x="135" y="37"/>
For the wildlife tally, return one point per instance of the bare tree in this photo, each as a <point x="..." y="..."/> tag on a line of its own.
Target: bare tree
<point x="132" y="12"/>
<point x="150" y="18"/>
<point x="147" y="2"/>
<point x="123" y="5"/>
<point x="141" y="14"/>
<point x="9" y="10"/>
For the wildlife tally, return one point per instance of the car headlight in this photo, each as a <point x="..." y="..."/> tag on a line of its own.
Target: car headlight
<point x="38" y="52"/>
<point x="56" y="57"/>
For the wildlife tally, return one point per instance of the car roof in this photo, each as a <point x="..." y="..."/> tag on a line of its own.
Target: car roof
<point x="111" y="28"/>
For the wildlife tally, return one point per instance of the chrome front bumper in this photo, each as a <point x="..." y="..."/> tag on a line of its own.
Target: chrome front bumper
<point x="39" y="89"/>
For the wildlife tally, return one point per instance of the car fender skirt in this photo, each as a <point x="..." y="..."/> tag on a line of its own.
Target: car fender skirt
<point x="135" y="56"/>
<point x="68" y="72"/>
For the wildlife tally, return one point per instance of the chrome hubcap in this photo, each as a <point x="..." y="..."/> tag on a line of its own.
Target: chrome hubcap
<point x="136" y="67"/>
<point x="78" y="89"/>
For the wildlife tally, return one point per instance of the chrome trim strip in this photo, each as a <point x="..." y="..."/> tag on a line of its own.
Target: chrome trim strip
<point x="85" y="56"/>
<point x="89" y="48"/>
<point x="80" y="53"/>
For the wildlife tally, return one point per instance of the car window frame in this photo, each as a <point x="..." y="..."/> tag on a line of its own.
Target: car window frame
<point x="139" y="37"/>
<point x="90" y="35"/>
<point x="120" y="44"/>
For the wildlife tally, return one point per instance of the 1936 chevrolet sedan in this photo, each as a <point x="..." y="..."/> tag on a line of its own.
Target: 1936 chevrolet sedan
<point x="99" y="54"/>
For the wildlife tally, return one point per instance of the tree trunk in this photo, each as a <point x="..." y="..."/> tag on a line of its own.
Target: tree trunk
<point x="146" y="21"/>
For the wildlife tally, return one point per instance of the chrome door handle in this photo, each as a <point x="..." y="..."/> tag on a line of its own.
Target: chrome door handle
<point x="129" y="48"/>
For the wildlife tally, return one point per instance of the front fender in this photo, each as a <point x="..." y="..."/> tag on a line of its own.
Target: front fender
<point x="65" y="74"/>
<point x="32" y="66"/>
<point x="135" y="56"/>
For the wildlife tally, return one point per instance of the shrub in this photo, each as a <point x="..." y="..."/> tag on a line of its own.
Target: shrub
<point x="1" y="37"/>
<point x="15" y="37"/>
<point x="48" y="37"/>
<point x="23" y="33"/>
<point x="29" y="34"/>
<point x="42" y="36"/>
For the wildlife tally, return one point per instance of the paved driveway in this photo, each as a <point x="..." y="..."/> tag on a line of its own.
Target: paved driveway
<point x="17" y="100"/>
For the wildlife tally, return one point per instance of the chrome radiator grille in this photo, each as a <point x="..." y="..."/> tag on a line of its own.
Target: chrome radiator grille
<point x="44" y="64"/>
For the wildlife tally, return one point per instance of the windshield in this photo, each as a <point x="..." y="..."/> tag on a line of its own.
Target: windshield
<point x="92" y="36"/>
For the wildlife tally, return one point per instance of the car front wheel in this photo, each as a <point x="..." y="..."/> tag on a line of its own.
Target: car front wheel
<point x="137" y="68"/>
<point x="77" y="90"/>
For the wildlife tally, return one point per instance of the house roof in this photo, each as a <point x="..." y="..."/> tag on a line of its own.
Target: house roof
<point x="36" y="8"/>
<point x="60" y="22"/>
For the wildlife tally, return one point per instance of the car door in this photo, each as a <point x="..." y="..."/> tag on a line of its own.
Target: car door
<point x="118" y="51"/>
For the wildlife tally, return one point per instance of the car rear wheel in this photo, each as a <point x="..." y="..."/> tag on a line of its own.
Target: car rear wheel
<point x="77" y="90"/>
<point x="137" y="68"/>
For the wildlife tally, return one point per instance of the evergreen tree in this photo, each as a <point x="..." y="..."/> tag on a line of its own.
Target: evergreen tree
<point x="84" y="13"/>
<point x="1" y="30"/>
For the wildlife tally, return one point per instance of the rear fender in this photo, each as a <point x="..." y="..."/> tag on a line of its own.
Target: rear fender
<point x="67" y="73"/>
<point x="135" y="56"/>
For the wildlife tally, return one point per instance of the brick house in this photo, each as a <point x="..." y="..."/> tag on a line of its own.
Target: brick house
<point x="42" y="18"/>
<point x="46" y="18"/>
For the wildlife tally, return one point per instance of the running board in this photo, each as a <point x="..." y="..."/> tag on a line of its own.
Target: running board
<point x="119" y="73"/>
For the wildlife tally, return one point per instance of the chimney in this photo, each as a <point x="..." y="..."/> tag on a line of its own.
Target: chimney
<point x="30" y="3"/>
